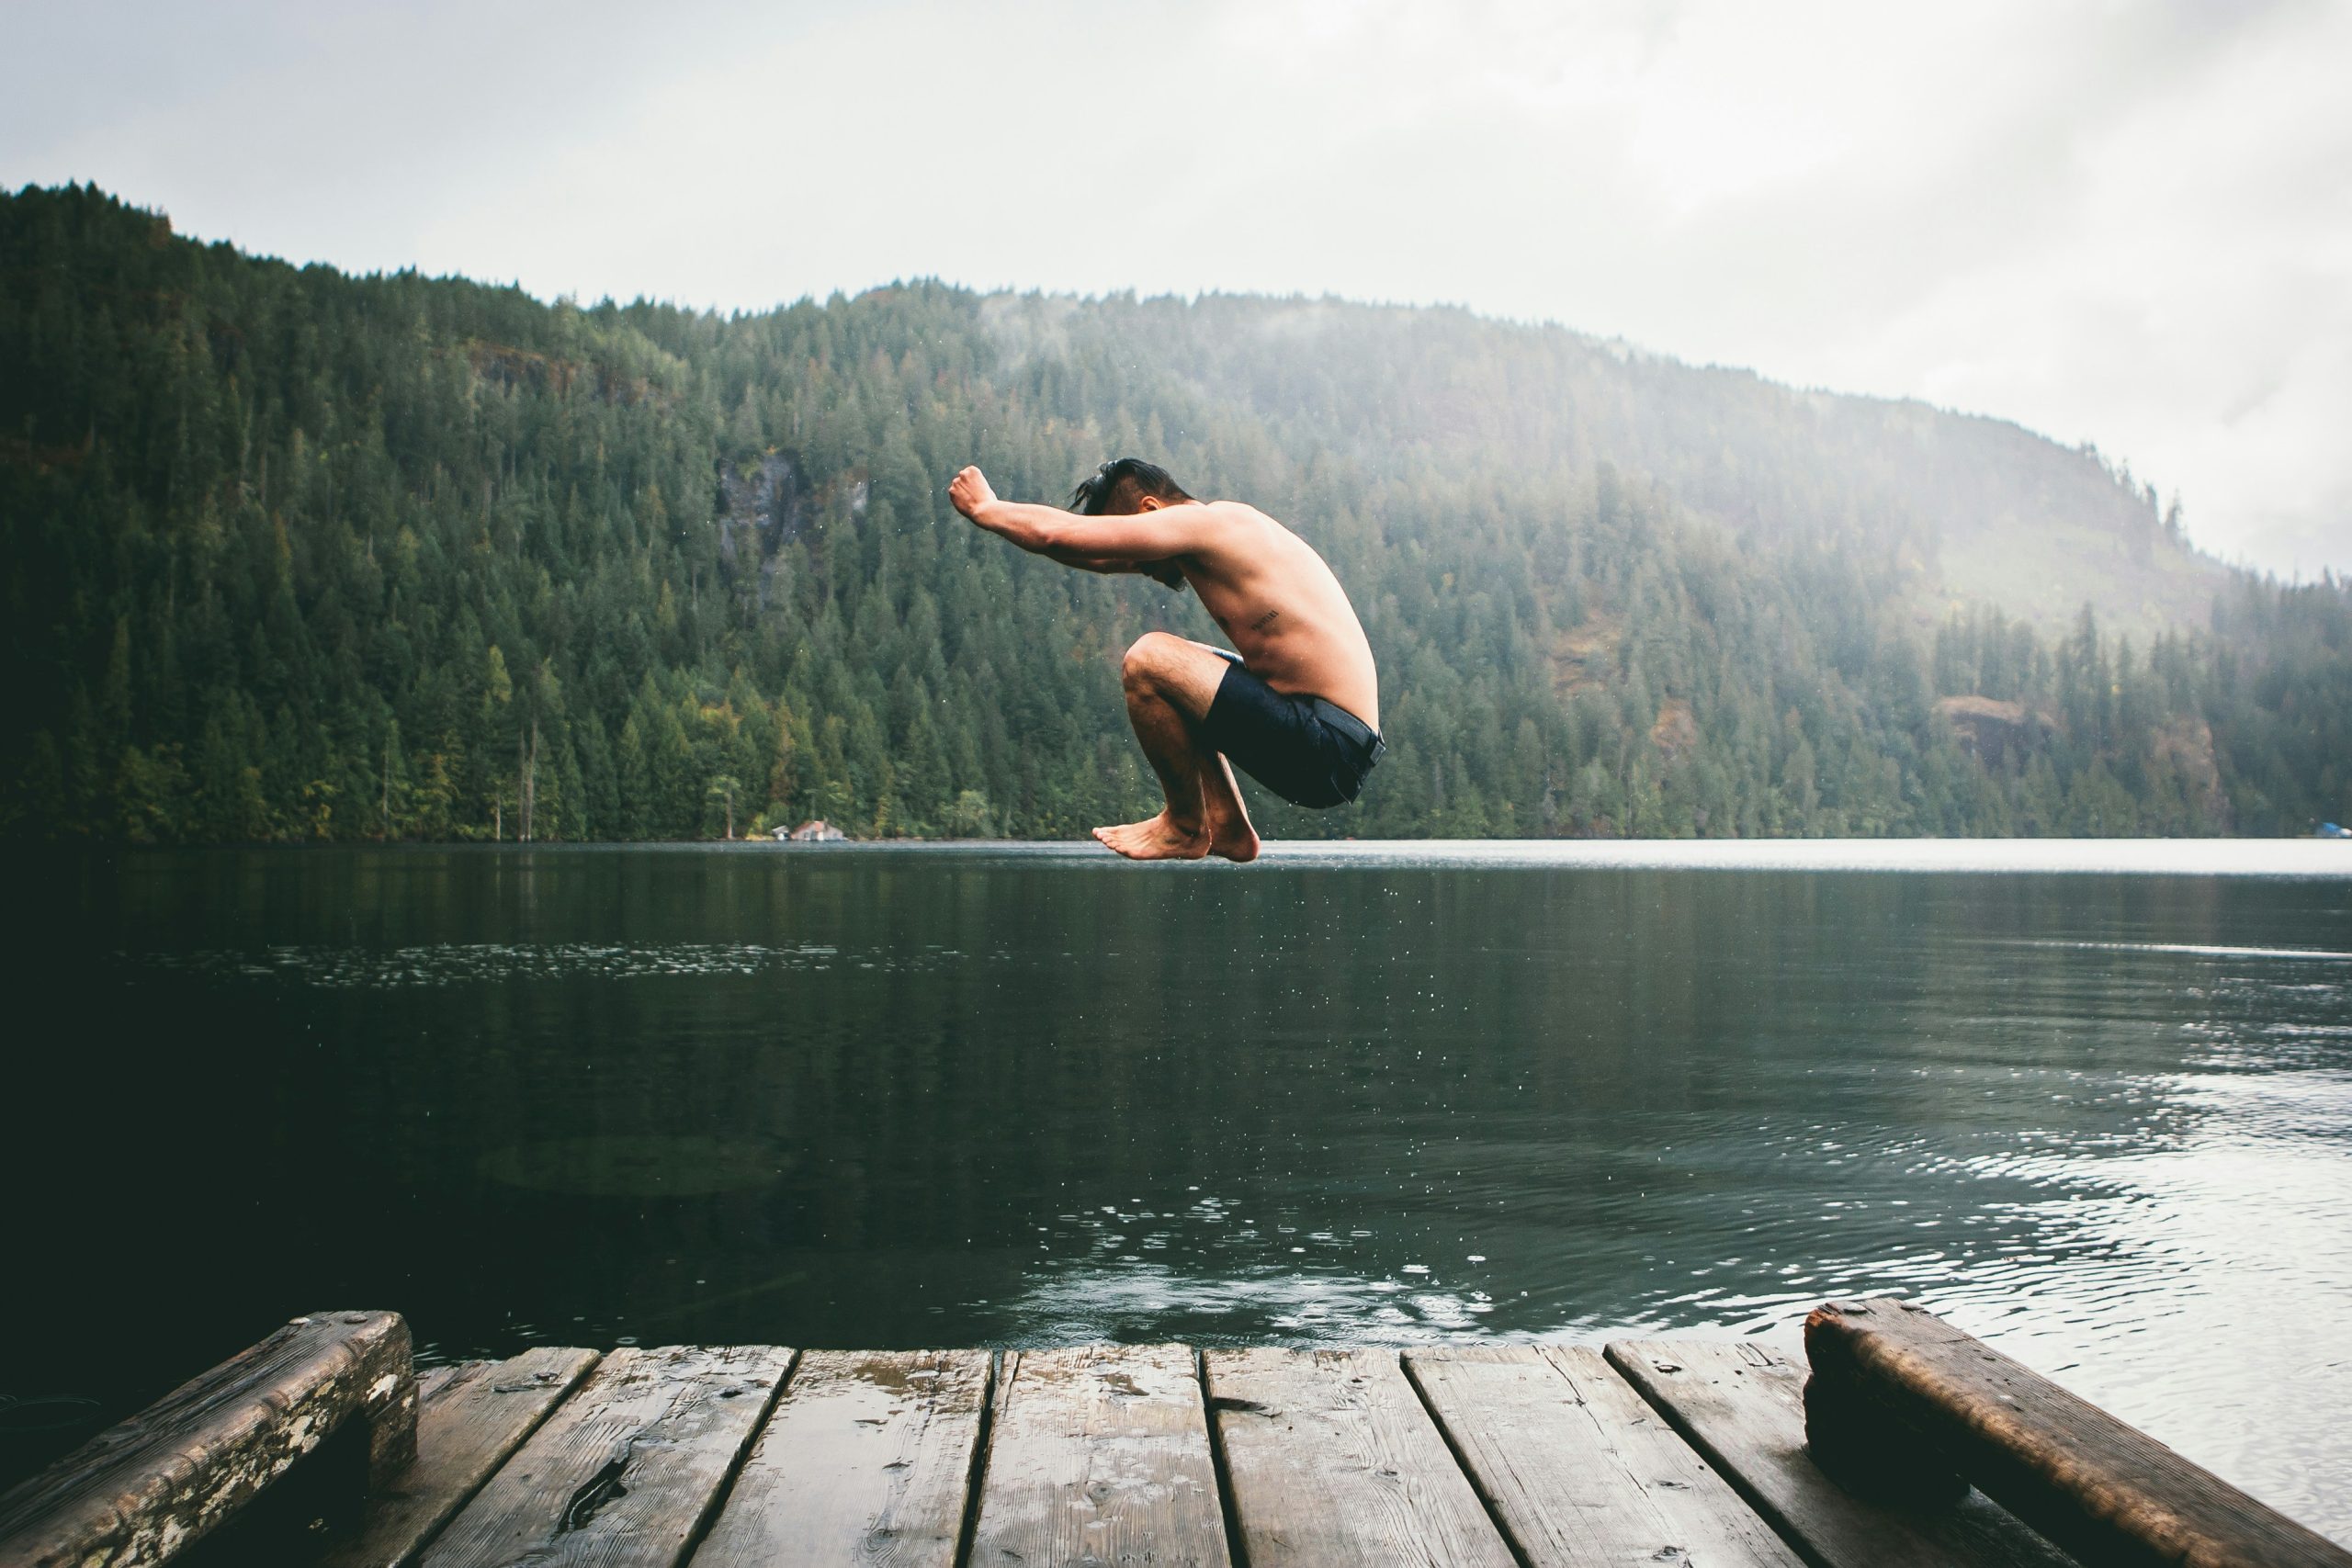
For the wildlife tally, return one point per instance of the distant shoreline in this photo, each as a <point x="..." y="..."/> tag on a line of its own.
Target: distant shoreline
<point x="2290" y="858"/>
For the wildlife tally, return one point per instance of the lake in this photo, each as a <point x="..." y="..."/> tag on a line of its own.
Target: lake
<point x="2094" y="1101"/>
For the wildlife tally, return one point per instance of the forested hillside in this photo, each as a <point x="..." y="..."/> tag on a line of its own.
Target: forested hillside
<point x="293" y="555"/>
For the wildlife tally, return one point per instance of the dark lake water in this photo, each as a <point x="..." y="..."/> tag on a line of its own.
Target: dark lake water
<point x="884" y="1098"/>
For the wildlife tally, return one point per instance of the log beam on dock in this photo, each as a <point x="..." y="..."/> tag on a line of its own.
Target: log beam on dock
<point x="1911" y="1387"/>
<point x="1482" y="1456"/>
<point x="144" y="1490"/>
<point x="472" y="1417"/>
<point x="1741" y="1406"/>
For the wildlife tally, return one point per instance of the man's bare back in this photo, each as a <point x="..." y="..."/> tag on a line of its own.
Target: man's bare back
<point x="1300" y="709"/>
<point x="1282" y="608"/>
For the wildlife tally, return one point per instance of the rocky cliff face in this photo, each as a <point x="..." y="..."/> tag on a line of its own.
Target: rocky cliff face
<point x="761" y="505"/>
<point x="1993" y="730"/>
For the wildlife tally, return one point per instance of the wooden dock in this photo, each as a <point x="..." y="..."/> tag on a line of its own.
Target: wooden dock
<point x="1486" y="1456"/>
<point x="1477" y="1456"/>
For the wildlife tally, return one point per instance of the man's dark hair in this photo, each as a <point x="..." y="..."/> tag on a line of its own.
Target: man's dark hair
<point x="1119" y="486"/>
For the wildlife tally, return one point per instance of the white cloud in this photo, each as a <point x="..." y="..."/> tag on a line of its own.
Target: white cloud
<point x="2124" y="222"/>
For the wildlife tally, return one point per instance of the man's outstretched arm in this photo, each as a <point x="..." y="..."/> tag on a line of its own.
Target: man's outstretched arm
<point x="1165" y="572"/>
<point x="1131" y="540"/>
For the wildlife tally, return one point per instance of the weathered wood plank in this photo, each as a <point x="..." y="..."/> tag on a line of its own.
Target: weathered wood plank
<point x="1333" y="1460"/>
<point x="868" y="1459"/>
<point x="1741" y="1407"/>
<point x="142" y="1490"/>
<point x="627" y="1468"/>
<point x="1098" y="1456"/>
<point x="2104" y="1490"/>
<point x="1580" y="1470"/>
<point x="474" y="1416"/>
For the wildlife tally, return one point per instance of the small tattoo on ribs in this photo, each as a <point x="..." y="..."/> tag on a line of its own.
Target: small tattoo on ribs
<point x="1262" y="622"/>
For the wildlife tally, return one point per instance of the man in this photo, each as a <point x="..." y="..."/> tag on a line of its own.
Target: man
<point x="1299" y="708"/>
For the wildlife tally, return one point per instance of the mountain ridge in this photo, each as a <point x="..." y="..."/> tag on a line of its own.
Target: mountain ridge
<point x="2121" y="552"/>
<point x="291" y="553"/>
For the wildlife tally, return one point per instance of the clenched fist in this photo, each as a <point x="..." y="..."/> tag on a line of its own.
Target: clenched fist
<point x="970" y="492"/>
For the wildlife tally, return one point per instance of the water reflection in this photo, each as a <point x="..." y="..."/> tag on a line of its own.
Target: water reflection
<point x="1029" y="1096"/>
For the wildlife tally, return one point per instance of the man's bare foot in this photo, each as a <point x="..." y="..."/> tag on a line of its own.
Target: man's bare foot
<point x="1231" y="836"/>
<point x="1159" y="839"/>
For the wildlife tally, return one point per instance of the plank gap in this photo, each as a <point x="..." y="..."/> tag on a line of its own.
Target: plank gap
<point x="1702" y="1443"/>
<point x="867" y="1457"/>
<point x="681" y="1417"/>
<point x="1454" y="1446"/>
<point x="1235" y="1546"/>
<point x="718" y="1505"/>
<point x="1101" y="1453"/>
<point x="569" y="1384"/>
<point x="1335" y="1462"/>
<point x="976" y="1476"/>
<point x="1739" y="1406"/>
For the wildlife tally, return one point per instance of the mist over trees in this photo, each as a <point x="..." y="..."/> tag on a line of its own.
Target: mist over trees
<point x="290" y="555"/>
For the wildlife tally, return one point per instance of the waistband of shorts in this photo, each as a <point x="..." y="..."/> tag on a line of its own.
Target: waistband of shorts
<point x="1348" y="725"/>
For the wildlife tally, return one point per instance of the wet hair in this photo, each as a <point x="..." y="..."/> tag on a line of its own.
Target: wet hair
<point x="1119" y="486"/>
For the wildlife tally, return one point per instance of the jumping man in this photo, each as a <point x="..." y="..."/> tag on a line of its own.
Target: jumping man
<point x="1298" y="707"/>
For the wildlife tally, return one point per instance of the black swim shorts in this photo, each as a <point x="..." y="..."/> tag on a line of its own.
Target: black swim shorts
<point x="1310" y="751"/>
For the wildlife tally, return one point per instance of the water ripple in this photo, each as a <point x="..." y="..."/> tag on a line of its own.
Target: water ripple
<point x="361" y="968"/>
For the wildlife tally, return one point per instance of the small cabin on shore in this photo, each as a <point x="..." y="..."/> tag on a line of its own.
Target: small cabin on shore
<point x="815" y="831"/>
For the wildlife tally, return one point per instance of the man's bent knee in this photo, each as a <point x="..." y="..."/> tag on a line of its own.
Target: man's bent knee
<point x="1164" y="668"/>
<point x="1149" y="656"/>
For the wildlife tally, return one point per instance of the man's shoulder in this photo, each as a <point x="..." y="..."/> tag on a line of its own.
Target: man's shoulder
<point x="1234" y="529"/>
<point x="1236" y="514"/>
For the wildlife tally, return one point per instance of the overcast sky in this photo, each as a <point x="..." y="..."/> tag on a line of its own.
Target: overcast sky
<point x="2126" y="223"/>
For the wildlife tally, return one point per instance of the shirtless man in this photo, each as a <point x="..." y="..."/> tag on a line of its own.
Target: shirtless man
<point x="1298" y="707"/>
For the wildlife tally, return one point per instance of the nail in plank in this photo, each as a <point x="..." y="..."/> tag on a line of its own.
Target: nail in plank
<point x="868" y="1459"/>
<point x="627" y="1468"/>
<point x="474" y="1416"/>
<point x="1099" y="1456"/>
<point x="1333" y="1460"/>
<point x="1579" y="1468"/>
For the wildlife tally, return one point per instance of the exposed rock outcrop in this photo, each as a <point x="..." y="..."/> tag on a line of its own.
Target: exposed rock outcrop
<point x="1992" y="730"/>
